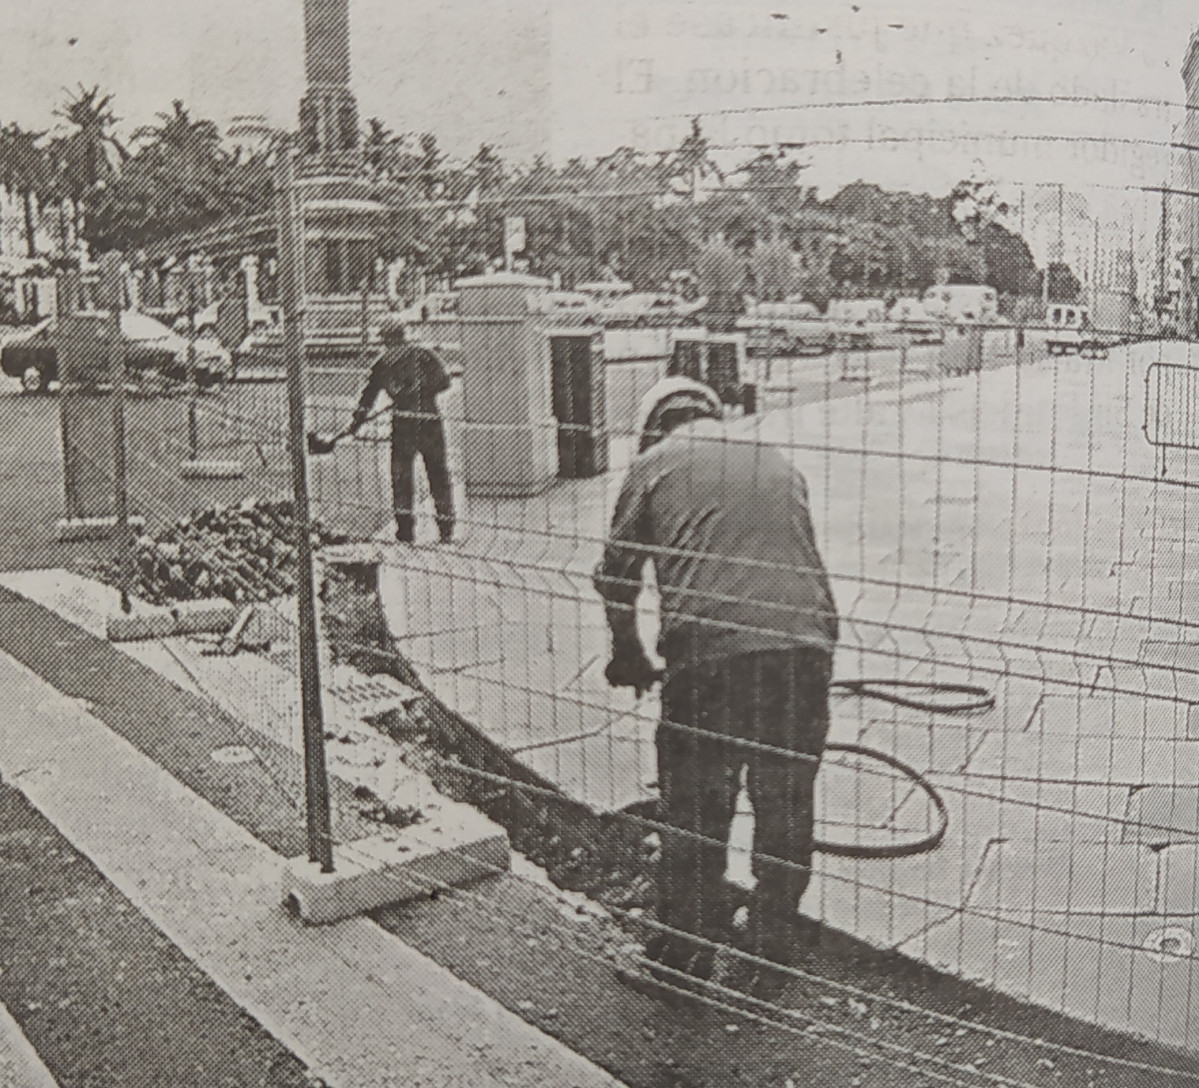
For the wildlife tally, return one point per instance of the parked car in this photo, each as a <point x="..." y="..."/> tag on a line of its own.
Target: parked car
<point x="859" y="322"/>
<point x="642" y="309"/>
<point x="956" y="303"/>
<point x="786" y="328"/>
<point x="152" y="351"/>
<point x="910" y="316"/>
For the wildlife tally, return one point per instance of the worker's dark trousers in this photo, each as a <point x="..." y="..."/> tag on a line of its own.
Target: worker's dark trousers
<point x="427" y="438"/>
<point x="777" y="701"/>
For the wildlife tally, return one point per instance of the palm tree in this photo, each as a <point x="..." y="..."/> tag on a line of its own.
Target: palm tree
<point x="377" y="144"/>
<point x="191" y="147"/>
<point x="24" y="172"/>
<point x="691" y="163"/>
<point x="180" y="178"/>
<point x="90" y="153"/>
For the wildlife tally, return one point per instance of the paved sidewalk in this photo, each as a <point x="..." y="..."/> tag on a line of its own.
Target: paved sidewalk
<point x="358" y="1006"/>
<point x="1061" y="586"/>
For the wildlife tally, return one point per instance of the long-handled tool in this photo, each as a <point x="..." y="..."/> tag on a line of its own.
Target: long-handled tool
<point x="319" y="444"/>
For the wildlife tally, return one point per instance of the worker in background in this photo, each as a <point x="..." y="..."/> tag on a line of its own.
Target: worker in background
<point x="412" y="377"/>
<point x="748" y="627"/>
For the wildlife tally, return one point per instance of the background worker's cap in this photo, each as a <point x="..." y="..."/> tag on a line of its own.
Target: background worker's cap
<point x="677" y="392"/>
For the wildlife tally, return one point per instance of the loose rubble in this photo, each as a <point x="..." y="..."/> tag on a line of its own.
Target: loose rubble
<point x="242" y="553"/>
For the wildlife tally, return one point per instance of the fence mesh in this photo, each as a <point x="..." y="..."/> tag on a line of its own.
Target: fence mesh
<point x="1008" y="789"/>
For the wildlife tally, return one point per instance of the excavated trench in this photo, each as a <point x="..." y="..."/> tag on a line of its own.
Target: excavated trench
<point x="246" y="553"/>
<point x="610" y="858"/>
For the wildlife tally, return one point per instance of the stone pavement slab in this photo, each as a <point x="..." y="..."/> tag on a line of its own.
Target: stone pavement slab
<point x="1096" y="968"/>
<point x="354" y="1003"/>
<point x="1163" y="814"/>
<point x="1106" y="878"/>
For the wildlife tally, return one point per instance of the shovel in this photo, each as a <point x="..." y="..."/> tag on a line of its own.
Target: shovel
<point x="319" y="444"/>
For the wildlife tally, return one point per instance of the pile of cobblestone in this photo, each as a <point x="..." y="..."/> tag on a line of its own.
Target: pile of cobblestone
<point x="242" y="553"/>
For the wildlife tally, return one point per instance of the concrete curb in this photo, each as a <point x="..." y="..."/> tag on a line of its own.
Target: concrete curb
<point x="208" y="616"/>
<point x="78" y="530"/>
<point x="358" y="1006"/>
<point x="20" y="1066"/>
<point x="396" y="868"/>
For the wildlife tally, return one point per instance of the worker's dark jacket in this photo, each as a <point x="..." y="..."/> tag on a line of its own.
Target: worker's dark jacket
<point x="725" y="520"/>
<point x="412" y="377"/>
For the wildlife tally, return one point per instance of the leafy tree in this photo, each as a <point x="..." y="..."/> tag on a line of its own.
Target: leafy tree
<point x="1064" y="285"/>
<point x="721" y="272"/>
<point x="691" y="164"/>
<point x="775" y="274"/>
<point x="975" y="204"/>
<point x="1010" y="267"/>
<point x="488" y="169"/>
<point x="377" y="142"/>
<point x="178" y="180"/>
<point x="772" y="183"/>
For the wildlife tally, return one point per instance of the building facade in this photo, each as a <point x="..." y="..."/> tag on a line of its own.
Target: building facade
<point x="1186" y="197"/>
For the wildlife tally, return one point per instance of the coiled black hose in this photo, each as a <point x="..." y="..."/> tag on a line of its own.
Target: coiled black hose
<point x="974" y="698"/>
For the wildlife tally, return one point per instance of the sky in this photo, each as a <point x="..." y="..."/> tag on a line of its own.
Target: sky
<point x="572" y="77"/>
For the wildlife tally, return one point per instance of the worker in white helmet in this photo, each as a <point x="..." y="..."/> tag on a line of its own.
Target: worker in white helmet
<point x="748" y="628"/>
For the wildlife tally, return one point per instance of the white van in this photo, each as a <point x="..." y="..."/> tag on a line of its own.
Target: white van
<point x="859" y="322"/>
<point x="1070" y="330"/>
<point x="911" y="316"/>
<point x="965" y="303"/>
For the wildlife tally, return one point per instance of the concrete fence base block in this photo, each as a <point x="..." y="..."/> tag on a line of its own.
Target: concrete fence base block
<point x="397" y="867"/>
<point x="154" y="623"/>
<point x="74" y="530"/>
<point x="212" y="615"/>
<point x="212" y="470"/>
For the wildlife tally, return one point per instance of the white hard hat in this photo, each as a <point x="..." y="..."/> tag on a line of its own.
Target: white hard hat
<point x="685" y="390"/>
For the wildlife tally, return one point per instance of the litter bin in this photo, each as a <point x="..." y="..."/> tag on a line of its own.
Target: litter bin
<point x="719" y="360"/>
<point x="962" y="350"/>
<point x="578" y="394"/>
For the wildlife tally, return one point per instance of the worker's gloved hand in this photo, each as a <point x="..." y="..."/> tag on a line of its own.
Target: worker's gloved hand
<point x="630" y="668"/>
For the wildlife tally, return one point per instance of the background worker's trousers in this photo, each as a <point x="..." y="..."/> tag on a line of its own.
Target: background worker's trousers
<point x="425" y="437"/>
<point x="777" y="701"/>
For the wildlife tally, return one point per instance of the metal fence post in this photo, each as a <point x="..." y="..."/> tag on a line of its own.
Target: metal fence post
<point x="112" y="300"/>
<point x="291" y="269"/>
<point x="193" y="436"/>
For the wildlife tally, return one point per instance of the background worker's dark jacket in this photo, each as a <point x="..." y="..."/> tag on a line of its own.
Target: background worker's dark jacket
<point x="726" y="521"/>
<point x="412" y="377"/>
